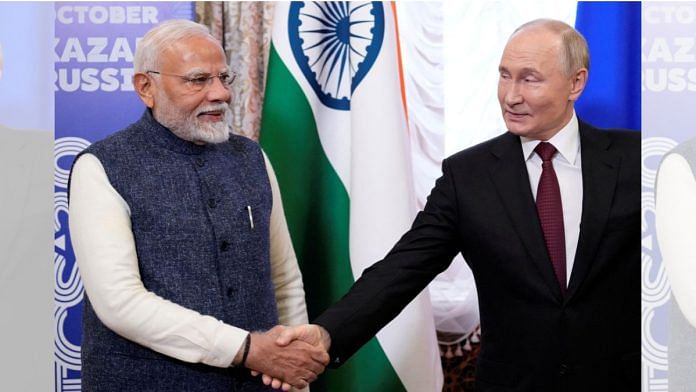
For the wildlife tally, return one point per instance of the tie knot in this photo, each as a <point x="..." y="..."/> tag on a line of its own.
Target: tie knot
<point x="545" y="150"/>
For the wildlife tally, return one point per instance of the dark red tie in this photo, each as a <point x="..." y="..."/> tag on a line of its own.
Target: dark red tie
<point x="550" y="211"/>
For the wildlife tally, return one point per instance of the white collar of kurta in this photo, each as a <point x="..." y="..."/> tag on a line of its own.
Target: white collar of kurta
<point x="566" y="141"/>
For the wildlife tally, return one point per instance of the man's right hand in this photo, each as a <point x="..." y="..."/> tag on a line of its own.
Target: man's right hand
<point x="288" y="356"/>
<point x="313" y="334"/>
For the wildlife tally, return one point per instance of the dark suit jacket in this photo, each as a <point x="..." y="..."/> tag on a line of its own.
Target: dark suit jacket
<point x="533" y="338"/>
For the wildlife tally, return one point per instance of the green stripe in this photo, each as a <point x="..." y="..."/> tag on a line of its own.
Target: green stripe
<point x="317" y="209"/>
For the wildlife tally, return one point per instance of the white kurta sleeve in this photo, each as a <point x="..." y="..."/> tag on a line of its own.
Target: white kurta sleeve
<point x="675" y="223"/>
<point x="285" y="272"/>
<point x="104" y="246"/>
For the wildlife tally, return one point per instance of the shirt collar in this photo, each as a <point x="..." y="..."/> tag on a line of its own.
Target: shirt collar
<point x="566" y="141"/>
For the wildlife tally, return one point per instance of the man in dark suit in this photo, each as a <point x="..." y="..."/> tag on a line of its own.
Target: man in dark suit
<point x="547" y="217"/>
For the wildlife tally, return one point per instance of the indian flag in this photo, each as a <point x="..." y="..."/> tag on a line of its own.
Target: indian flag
<point x="335" y="129"/>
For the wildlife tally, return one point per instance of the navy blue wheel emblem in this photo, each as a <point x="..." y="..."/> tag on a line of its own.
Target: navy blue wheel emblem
<point x="335" y="44"/>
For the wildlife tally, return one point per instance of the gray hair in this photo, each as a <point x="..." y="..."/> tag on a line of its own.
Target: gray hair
<point x="574" y="51"/>
<point x="147" y="54"/>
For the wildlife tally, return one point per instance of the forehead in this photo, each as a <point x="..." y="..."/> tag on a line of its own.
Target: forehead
<point x="534" y="48"/>
<point x="195" y="53"/>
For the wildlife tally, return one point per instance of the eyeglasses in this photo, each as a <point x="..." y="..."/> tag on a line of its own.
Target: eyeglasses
<point x="199" y="82"/>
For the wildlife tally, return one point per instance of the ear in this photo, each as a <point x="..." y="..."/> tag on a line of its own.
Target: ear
<point x="145" y="89"/>
<point x="578" y="83"/>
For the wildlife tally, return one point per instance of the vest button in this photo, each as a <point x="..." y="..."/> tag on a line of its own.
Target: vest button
<point x="200" y="162"/>
<point x="212" y="203"/>
<point x="563" y="370"/>
<point x="224" y="246"/>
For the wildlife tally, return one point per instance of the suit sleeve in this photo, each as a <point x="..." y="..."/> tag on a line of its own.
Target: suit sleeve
<point x="386" y="287"/>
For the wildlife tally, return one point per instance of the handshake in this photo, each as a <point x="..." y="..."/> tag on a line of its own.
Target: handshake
<point x="288" y="356"/>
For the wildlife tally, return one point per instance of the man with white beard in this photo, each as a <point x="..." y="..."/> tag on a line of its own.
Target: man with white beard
<point x="180" y="237"/>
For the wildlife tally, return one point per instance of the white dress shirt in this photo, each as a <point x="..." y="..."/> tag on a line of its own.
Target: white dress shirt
<point x="568" y="167"/>
<point x="675" y="221"/>
<point x="104" y="247"/>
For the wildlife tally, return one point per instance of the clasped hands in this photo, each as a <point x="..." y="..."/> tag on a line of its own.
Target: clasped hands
<point x="289" y="356"/>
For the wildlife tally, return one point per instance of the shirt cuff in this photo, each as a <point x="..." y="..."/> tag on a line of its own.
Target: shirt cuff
<point x="228" y="341"/>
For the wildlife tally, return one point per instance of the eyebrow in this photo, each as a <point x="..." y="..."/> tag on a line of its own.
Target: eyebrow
<point x="524" y="71"/>
<point x="200" y="71"/>
<point x="529" y="71"/>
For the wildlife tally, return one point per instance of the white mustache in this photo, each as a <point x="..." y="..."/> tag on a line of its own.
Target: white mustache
<point x="215" y="108"/>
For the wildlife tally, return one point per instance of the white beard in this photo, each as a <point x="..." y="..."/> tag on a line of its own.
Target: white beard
<point x="191" y="128"/>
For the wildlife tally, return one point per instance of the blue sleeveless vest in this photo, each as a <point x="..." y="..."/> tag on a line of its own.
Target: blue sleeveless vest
<point x="196" y="247"/>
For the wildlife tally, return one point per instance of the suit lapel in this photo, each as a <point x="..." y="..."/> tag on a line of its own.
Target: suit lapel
<point x="599" y="174"/>
<point x="509" y="174"/>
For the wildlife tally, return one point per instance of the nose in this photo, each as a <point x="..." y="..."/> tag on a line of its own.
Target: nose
<point x="513" y="95"/>
<point x="218" y="91"/>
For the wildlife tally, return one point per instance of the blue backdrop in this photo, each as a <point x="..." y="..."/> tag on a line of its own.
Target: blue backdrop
<point x="613" y="32"/>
